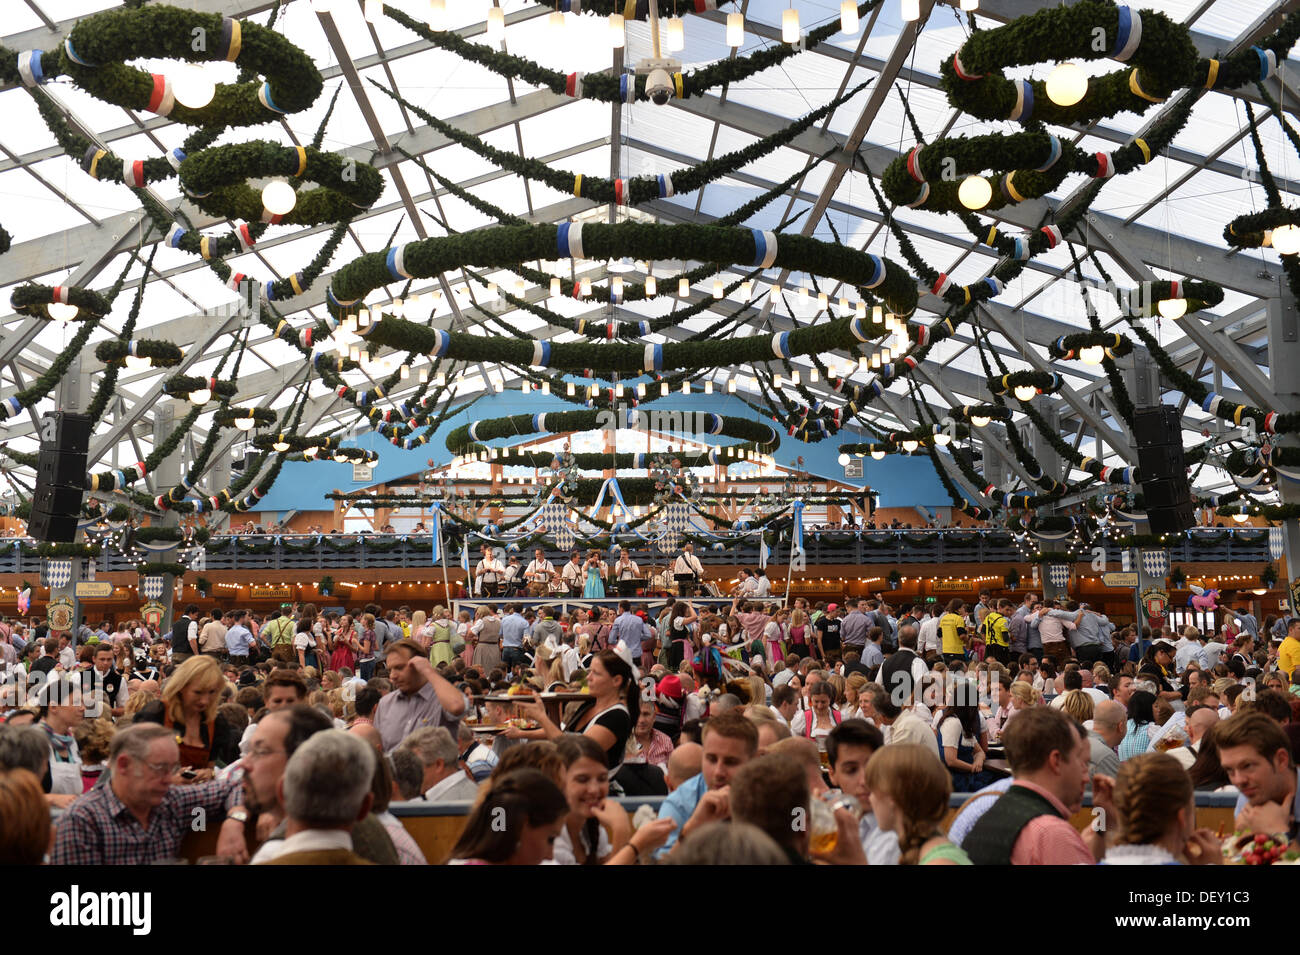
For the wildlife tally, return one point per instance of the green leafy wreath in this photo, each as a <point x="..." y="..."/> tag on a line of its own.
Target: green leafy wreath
<point x="215" y="180"/>
<point x="34" y="301"/>
<point x="1069" y="346"/>
<point x="225" y="417"/>
<point x="161" y="354"/>
<point x="95" y="51"/>
<point x="182" y="386"/>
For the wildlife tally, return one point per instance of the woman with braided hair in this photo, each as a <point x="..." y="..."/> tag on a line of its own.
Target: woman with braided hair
<point x="909" y="795"/>
<point x="1157" y="810"/>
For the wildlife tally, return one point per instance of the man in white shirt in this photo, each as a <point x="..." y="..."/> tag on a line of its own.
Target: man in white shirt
<point x="747" y="586"/>
<point x="1198" y="723"/>
<point x="929" y="642"/>
<point x="539" y="573"/>
<point x="326" y="790"/>
<point x="1187" y="649"/>
<point x="626" y="572"/>
<point x="512" y="580"/>
<point x="444" y="780"/>
<point x="687" y="563"/>
<point x="763" y="585"/>
<point x="67" y="655"/>
<point x="570" y="659"/>
<point x="898" y="725"/>
<point x="488" y="575"/>
<point x="572" y="574"/>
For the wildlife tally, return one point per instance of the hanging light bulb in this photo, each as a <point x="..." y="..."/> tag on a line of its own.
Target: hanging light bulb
<point x="717" y="288"/>
<point x="686" y="387"/>
<point x="354" y="353"/>
<point x="617" y="31"/>
<point x="979" y="420"/>
<point x="663" y="389"/>
<point x="618" y="390"/>
<point x="970" y="6"/>
<point x="546" y="387"/>
<point x="708" y="387"/>
<point x="640" y="390"/>
<point x="941" y="437"/>
<point x="974" y="192"/>
<point x="1067" y="84"/>
<point x="441" y="380"/>
<point x="1025" y="392"/>
<point x="651" y="286"/>
<point x="200" y="396"/>
<point x="137" y="363"/>
<point x="525" y="386"/>
<point x="363" y="318"/>
<point x="822" y="300"/>
<point x="278" y="197"/>
<point x="683" y="288"/>
<point x="616" y="286"/>
<point x="404" y="373"/>
<point x="849" y="17"/>
<point x="790" y="26"/>
<point x="1241" y="517"/>
<point x="585" y="287"/>
<point x="193" y="87"/>
<point x="520" y="288"/>
<point x="437" y="17"/>
<point x="886" y="355"/>
<point x="731" y="386"/>
<point x="910" y="10"/>
<point x="245" y="424"/>
<point x="569" y="390"/>
<point x="374" y="10"/>
<point x="281" y="445"/>
<point x="676" y="34"/>
<point x="594" y="390"/>
<point x="814" y="376"/>
<point x="499" y="386"/>
<point x="877" y="454"/>
<point x="339" y="456"/>
<point x="1170" y="308"/>
<point x="424" y="376"/>
<point x="555" y="288"/>
<point x="735" y="29"/>
<point x="1286" y="239"/>
<point x="556" y="21"/>
<point x="310" y="452"/>
<point x="496" y="25"/>
<point x="910" y="445"/>
<point x="843" y="459"/>
<point x="1092" y="354"/>
<point x="875" y="361"/>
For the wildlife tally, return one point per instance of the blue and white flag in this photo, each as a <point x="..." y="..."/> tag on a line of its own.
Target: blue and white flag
<point x="436" y="549"/>
<point x="1155" y="563"/>
<point x="798" y="558"/>
<point x="1058" y="575"/>
<point x="1275" y="543"/>
<point x="58" y="573"/>
<point x="151" y="588"/>
<point x="762" y="552"/>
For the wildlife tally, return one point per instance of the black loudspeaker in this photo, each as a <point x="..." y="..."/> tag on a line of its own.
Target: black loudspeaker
<point x="60" y="477"/>
<point x="1158" y="435"/>
<point x="52" y="527"/>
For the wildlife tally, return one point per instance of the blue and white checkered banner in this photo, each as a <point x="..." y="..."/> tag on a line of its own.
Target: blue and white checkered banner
<point x="436" y="549"/>
<point x="58" y="573"/>
<point x="798" y="557"/>
<point x="1155" y="563"/>
<point x="555" y="516"/>
<point x="1275" y="543"/>
<point x="676" y="518"/>
<point x="151" y="588"/>
<point x="1058" y="575"/>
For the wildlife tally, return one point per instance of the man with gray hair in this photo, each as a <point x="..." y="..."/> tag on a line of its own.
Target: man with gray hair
<point x="444" y="780"/>
<point x="1109" y="724"/>
<point x="408" y="774"/>
<point x="326" y="790"/>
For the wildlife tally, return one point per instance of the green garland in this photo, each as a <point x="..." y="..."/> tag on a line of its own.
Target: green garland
<point x="225" y="417"/>
<point x="609" y="88"/>
<point x="1046" y="382"/>
<point x="1068" y="346"/>
<point x="33" y="300"/>
<point x="68" y="550"/>
<point x="155" y="535"/>
<point x="181" y="386"/>
<point x="633" y="191"/>
<point x="161" y="569"/>
<point x="116" y="480"/>
<point x="110" y="38"/>
<point x="161" y="354"/>
<point x="215" y="181"/>
<point x="463" y="440"/>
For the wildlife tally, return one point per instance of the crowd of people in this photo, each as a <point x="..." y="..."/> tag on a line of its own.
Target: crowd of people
<point x="834" y="732"/>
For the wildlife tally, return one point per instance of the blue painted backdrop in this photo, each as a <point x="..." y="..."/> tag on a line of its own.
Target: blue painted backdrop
<point x="901" y="481"/>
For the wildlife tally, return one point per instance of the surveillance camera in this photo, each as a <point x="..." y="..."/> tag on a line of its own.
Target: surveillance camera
<point x="659" y="86"/>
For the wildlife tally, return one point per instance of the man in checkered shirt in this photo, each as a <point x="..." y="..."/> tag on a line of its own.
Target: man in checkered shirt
<point x="137" y="816"/>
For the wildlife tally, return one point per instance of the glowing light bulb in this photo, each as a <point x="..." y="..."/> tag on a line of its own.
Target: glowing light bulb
<point x="849" y="17"/>
<point x="910" y="10"/>
<point x="1241" y="517"/>
<point x="555" y="21"/>
<point x="193" y="87"/>
<point x="941" y="437"/>
<point x="311" y="452"/>
<point x="910" y="445"/>
<point x="877" y="454"/>
<point x="843" y="459"/>
<point x="424" y="376"/>
<point x="363" y="318"/>
<point x="717" y="288"/>
<point x="555" y="288"/>
<point x="676" y="34"/>
<point x="790" y="26"/>
<point x="617" y="31"/>
<point x="1092" y="354"/>
<point x="822" y="300"/>
<point x="137" y="363"/>
<point x="1025" y="392"/>
<point x="1067" y="84"/>
<point x="970" y="6"/>
<point x="278" y="197"/>
<point x="708" y="387"/>
<point x="200" y="396"/>
<point x="616" y="286"/>
<point x="1286" y="239"/>
<point x="1171" y="308"/>
<point x="651" y="286"/>
<point x="496" y="25"/>
<point x="731" y="386"/>
<point x="61" y="312"/>
<point x="974" y="192"/>
<point x="280" y="445"/>
<point x="585" y="287"/>
<point x="245" y="424"/>
<point x="683" y="288"/>
<point x="735" y="29"/>
<point x="979" y="420"/>
<point x="437" y="17"/>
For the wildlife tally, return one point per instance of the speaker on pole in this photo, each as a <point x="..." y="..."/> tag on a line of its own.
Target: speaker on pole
<point x="1158" y="434"/>
<point x="60" y="477"/>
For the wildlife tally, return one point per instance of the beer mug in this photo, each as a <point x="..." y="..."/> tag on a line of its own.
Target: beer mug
<point x="823" y="830"/>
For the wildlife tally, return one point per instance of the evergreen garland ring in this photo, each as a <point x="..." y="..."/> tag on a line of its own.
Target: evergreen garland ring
<point x="215" y="180"/>
<point x="1068" y="346"/>
<point x="1046" y="382"/>
<point x="95" y="51"/>
<point x="34" y="301"/>
<point x="225" y="417"/>
<point x="1247" y="231"/>
<point x="181" y="386"/>
<point x="161" y="354"/>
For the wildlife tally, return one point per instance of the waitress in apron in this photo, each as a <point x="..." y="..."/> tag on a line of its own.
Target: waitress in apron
<point x="58" y="721"/>
<point x="189" y="707"/>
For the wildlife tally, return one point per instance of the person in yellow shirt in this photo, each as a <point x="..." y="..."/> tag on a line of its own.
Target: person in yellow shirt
<point x="1288" y="655"/>
<point x="952" y="625"/>
<point x="995" y="630"/>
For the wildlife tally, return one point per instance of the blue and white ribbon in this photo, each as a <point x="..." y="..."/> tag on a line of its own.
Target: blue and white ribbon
<point x="1275" y="543"/>
<point x="764" y="248"/>
<point x="1267" y="63"/>
<point x="264" y="97"/>
<point x="1023" y="111"/>
<point x="441" y="341"/>
<point x="29" y="68"/>
<point x="665" y="185"/>
<point x="798" y="559"/>
<point x="781" y="344"/>
<point x="568" y="240"/>
<point x="1129" y="35"/>
<point x="878" y="271"/>
<point x="1053" y="154"/>
<point x="175" y="158"/>
<point x="541" y="354"/>
<point x="396" y="262"/>
<point x="653" y="359"/>
<point x="72" y="54"/>
<point x="436" y="550"/>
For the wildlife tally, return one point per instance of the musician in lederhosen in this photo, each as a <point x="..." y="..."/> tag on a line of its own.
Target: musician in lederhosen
<point x="687" y="571"/>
